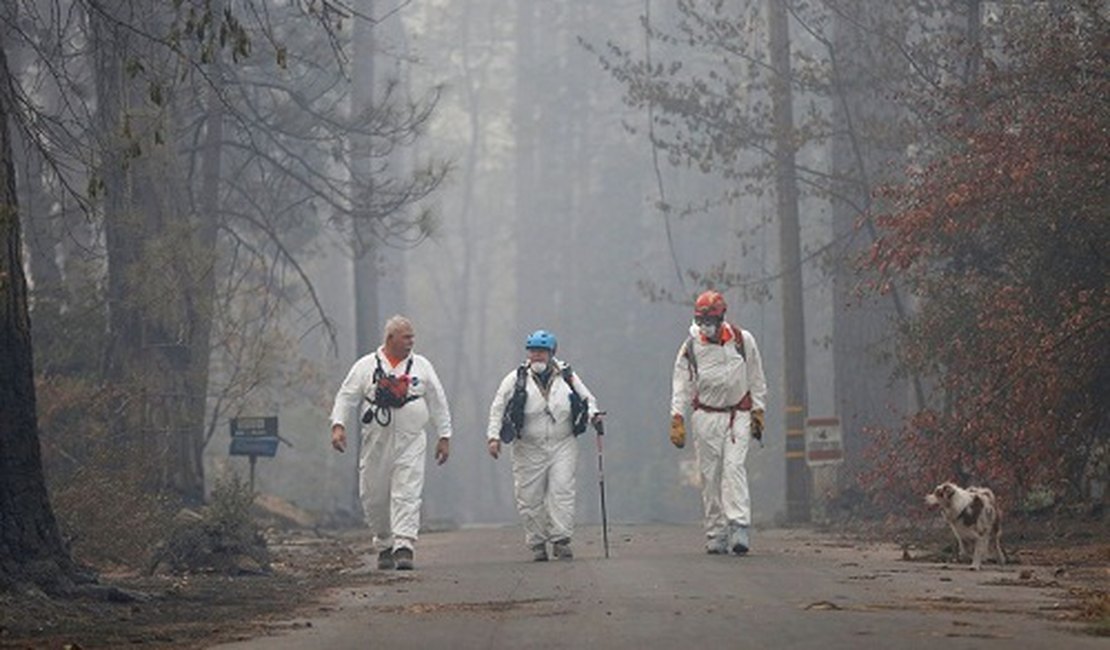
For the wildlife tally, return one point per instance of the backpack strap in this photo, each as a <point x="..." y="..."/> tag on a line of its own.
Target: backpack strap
<point x="738" y="338"/>
<point x="691" y="358"/>
<point x="579" y="408"/>
<point x="380" y="371"/>
<point x="521" y="378"/>
<point x="512" y="421"/>
<point x="568" y="376"/>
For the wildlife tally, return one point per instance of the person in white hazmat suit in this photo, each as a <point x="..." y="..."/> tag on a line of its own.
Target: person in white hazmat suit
<point x="395" y="393"/>
<point x="548" y="397"/>
<point x="718" y="375"/>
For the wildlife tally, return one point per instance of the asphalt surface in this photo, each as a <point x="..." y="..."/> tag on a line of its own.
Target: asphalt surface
<point x="477" y="588"/>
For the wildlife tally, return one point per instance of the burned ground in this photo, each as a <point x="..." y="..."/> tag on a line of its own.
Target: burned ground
<point x="192" y="610"/>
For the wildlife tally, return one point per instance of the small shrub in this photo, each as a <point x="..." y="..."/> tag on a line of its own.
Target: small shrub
<point x="221" y="538"/>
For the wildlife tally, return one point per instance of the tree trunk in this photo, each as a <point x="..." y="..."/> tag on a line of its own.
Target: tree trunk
<point x="202" y="305"/>
<point x="793" y="314"/>
<point x="31" y="549"/>
<point x="152" y="249"/>
<point x="473" y="499"/>
<point x="41" y="234"/>
<point x="367" y="312"/>
<point x="528" y="273"/>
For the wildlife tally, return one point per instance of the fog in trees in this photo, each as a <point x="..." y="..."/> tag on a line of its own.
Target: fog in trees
<point x="221" y="203"/>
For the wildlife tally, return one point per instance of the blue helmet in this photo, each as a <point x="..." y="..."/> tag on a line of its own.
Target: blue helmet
<point x="541" y="339"/>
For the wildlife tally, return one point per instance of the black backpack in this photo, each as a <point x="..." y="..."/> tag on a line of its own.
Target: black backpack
<point x="513" y="419"/>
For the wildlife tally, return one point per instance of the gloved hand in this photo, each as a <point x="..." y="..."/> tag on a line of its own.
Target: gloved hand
<point x="678" y="431"/>
<point x="757" y="425"/>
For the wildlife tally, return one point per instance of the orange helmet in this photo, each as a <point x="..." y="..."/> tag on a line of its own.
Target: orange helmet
<point x="710" y="303"/>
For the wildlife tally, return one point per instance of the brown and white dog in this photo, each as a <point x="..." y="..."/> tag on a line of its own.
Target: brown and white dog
<point x="971" y="514"/>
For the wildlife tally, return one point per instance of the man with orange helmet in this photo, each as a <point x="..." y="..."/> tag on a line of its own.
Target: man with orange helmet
<point x="718" y="375"/>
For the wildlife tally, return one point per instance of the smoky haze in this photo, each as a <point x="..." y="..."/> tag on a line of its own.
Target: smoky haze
<point x="550" y="219"/>
<point x="221" y="203"/>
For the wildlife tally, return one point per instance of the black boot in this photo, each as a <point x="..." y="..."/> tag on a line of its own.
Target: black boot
<point x="561" y="550"/>
<point x="385" y="560"/>
<point x="403" y="557"/>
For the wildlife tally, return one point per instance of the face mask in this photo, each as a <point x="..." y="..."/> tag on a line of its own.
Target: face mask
<point x="538" y="367"/>
<point x="709" y="331"/>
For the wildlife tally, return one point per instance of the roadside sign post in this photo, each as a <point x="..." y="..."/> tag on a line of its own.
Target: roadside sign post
<point x="254" y="437"/>
<point x="824" y="455"/>
<point x="824" y="444"/>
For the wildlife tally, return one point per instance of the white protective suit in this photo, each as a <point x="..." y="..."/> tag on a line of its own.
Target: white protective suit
<point x="391" y="464"/>
<point x="723" y="377"/>
<point x="545" y="455"/>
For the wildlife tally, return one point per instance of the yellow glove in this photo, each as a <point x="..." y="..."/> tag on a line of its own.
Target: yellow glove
<point x="757" y="425"/>
<point x="678" y="431"/>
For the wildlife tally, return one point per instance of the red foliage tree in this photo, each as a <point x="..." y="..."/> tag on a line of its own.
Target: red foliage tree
<point x="1004" y="240"/>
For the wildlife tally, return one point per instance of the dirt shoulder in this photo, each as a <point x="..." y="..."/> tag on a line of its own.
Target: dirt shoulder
<point x="200" y="610"/>
<point x="191" y="611"/>
<point x="1071" y="554"/>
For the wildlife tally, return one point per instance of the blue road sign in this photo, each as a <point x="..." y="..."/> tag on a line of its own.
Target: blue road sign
<point x="254" y="446"/>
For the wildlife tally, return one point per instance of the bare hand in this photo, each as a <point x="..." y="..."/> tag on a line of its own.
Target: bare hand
<point x="443" y="450"/>
<point x="339" y="438"/>
<point x="494" y="448"/>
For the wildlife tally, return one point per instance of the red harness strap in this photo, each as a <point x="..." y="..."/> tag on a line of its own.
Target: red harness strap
<point x="745" y="404"/>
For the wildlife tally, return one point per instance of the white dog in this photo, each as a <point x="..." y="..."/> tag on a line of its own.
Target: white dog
<point x="971" y="514"/>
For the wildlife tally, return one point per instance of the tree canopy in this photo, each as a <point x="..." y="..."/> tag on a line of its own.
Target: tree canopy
<point x="1002" y="237"/>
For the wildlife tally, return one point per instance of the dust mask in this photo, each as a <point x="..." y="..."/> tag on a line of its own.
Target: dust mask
<point x="538" y="367"/>
<point x="709" y="330"/>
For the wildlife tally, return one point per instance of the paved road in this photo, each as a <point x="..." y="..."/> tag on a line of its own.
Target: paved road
<point x="475" y="589"/>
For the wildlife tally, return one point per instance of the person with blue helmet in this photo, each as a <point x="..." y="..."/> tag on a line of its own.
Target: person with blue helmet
<point x="541" y="406"/>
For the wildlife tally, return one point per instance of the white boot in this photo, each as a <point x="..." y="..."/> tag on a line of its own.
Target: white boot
<point x="738" y="540"/>
<point x="717" y="546"/>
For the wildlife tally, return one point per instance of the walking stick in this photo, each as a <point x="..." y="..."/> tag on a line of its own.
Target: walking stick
<point x="601" y="485"/>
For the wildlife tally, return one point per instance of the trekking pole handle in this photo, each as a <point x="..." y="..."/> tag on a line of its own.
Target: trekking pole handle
<point x="599" y="426"/>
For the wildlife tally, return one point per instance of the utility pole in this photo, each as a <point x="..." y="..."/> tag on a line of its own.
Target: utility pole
<point x="790" y="256"/>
